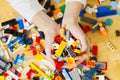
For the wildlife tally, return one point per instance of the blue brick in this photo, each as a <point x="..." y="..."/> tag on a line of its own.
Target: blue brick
<point x="118" y="12"/>
<point x="81" y="13"/>
<point x="107" y="13"/>
<point x="21" y="24"/>
<point x="114" y="4"/>
<point x="89" y="74"/>
<point x="16" y="59"/>
<point x="57" y="1"/>
<point x="102" y="9"/>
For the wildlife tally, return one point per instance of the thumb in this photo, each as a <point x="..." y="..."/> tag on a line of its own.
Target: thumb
<point x="85" y="45"/>
<point x="48" y="44"/>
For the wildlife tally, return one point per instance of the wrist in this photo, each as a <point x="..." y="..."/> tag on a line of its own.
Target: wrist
<point x="67" y="21"/>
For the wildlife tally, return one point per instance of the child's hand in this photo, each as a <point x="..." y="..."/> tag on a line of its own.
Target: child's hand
<point x="50" y="29"/>
<point x="77" y="32"/>
<point x="49" y="39"/>
<point x="70" y="19"/>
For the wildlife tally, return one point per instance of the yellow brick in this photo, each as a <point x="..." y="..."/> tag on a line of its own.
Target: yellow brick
<point x="2" y="78"/>
<point x="62" y="31"/>
<point x="60" y="49"/>
<point x="75" y="43"/>
<point x="77" y="51"/>
<point x="39" y="56"/>
<point x="34" y="67"/>
<point x="70" y="61"/>
<point x="63" y="36"/>
<point x="42" y="43"/>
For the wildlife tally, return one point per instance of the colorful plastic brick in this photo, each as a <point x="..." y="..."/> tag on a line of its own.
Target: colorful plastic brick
<point x="19" y="59"/>
<point x="58" y="39"/>
<point x="114" y="4"/>
<point x="56" y="11"/>
<point x="67" y="35"/>
<point x="21" y="24"/>
<point x="52" y="7"/>
<point x="30" y="73"/>
<point x="95" y="27"/>
<point x="58" y="64"/>
<point x="70" y="61"/>
<point x="47" y="64"/>
<point x="12" y="75"/>
<point x="38" y="39"/>
<point x="86" y="29"/>
<point x="39" y="56"/>
<point x="70" y="52"/>
<point x="95" y="50"/>
<point x="62" y="8"/>
<point x="110" y="46"/>
<point x="66" y="74"/>
<point x="90" y="64"/>
<point x="89" y="20"/>
<point x="78" y="51"/>
<point x="59" y="51"/>
<point x="36" y="78"/>
<point x="9" y="22"/>
<point x="109" y="7"/>
<point x="102" y="29"/>
<point x="95" y="8"/>
<point x="58" y="78"/>
<point x="103" y="65"/>
<point x="16" y="59"/>
<point x="118" y="12"/>
<point x="101" y="1"/>
<point x="39" y="71"/>
<point x="16" y="45"/>
<point x="9" y="39"/>
<point x="106" y="13"/>
<point x="4" y="39"/>
<point x="75" y="44"/>
<point x="100" y="77"/>
<point x="90" y="73"/>
<point x="14" y="71"/>
<point x="75" y="74"/>
<point x="117" y="33"/>
<point x="5" y="65"/>
<point x="57" y="1"/>
<point x="2" y="78"/>
<point x="14" y="27"/>
<point x="81" y="13"/>
<point x="108" y="22"/>
<point x="102" y="9"/>
<point x="88" y="9"/>
<point x="1" y="34"/>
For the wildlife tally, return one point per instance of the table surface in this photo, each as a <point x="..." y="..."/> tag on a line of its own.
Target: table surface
<point x="104" y="53"/>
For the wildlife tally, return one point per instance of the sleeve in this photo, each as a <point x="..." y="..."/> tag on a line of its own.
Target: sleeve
<point x="26" y="8"/>
<point x="81" y="1"/>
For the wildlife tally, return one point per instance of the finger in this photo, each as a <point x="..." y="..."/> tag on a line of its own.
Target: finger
<point x="67" y="66"/>
<point x="48" y="44"/>
<point x="81" y="58"/>
<point x="79" y="34"/>
<point x="85" y="45"/>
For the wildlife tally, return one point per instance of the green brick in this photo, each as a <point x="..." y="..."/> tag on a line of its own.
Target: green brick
<point x="62" y="8"/>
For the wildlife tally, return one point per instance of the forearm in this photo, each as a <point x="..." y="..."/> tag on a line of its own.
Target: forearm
<point x="33" y="12"/>
<point x="44" y="22"/>
<point x="73" y="8"/>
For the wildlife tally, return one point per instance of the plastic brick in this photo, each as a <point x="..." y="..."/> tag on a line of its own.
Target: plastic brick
<point x="114" y="4"/>
<point x="103" y="9"/>
<point x="21" y="24"/>
<point x="89" y="20"/>
<point x="107" y="13"/>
